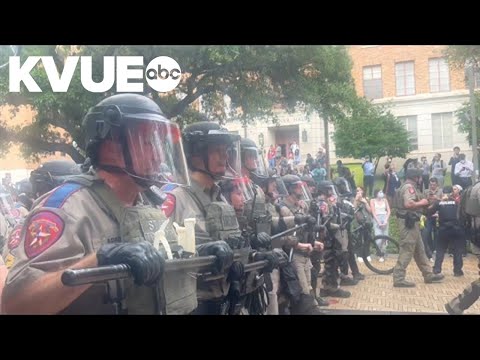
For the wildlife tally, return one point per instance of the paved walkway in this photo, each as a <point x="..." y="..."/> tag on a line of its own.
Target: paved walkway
<point x="376" y="293"/>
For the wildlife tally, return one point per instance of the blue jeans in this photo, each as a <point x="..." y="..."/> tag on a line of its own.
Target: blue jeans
<point x="429" y="236"/>
<point x="381" y="243"/>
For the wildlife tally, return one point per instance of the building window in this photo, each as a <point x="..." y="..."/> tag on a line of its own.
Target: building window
<point x="405" y="78"/>
<point x="410" y="123"/>
<point x="442" y="131"/>
<point x="372" y="82"/>
<point x="439" y="75"/>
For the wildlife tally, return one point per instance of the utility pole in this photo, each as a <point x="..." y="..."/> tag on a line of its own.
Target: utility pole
<point x="473" y="116"/>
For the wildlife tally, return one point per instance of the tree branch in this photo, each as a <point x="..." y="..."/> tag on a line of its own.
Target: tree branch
<point x="187" y="100"/>
<point x="38" y="146"/>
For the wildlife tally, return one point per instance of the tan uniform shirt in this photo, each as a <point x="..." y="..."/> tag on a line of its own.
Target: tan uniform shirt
<point x="58" y="232"/>
<point x="55" y="237"/>
<point x="186" y="206"/>
<point x="409" y="193"/>
<point x="288" y="216"/>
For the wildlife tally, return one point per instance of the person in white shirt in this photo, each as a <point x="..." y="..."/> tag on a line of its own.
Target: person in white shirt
<point x="464" y="172"/>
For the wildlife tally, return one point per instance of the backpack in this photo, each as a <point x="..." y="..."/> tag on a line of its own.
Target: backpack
<point x="397" y="198"/>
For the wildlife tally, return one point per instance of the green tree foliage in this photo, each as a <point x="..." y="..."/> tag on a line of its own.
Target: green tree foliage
<point x="370" y="131"/>
<point x="464" y="119"/>
<point x="458" y="56"/>
<point x="255" y="78"/>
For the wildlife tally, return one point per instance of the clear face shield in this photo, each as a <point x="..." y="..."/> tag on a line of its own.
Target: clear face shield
<point x="276" y="188"/>
<point x="253" y="161"/>
<point x="302" y="192"/>
<point x="237" y="192"/>
<point x="234" y="161"/>
<point x="155" y="149"/>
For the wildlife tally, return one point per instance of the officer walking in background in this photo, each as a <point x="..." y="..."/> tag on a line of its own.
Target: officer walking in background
<point x="408" y="204"/>
<point x="450" y="231"/>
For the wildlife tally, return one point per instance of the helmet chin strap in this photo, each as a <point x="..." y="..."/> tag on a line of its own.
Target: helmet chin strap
<point x="143" y="182"/>
<point x="212" y="175"/>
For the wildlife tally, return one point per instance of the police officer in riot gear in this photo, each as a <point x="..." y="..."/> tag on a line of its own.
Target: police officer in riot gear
<point x="408" y="203"/>
<point x="300" y="245"/>
<point x="267" y="188"/>
<point x="450" y="231"/>
<point x="97" y="219"/>
<point x="336" y="247"/>
<point x="213" y="154"/>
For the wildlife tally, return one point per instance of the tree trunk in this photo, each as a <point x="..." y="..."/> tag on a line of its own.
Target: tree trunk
<point x="377" y="160"/>
<point x="327" y="146"/>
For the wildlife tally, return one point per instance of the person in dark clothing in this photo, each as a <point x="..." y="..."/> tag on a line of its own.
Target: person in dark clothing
<point x="453" y="161"/>
<point x="450" y="230"/>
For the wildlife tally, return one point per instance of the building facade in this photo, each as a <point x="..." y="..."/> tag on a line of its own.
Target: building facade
<point x="414" y="81"/>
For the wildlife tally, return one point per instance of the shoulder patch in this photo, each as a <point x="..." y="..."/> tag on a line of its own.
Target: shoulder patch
<point x="14" y="238"/>
<point x="168" y="206"/>
<point x="43" y="230"/>
<point x="168" y="187"/>
<point x="9" y="261"/>
<point x="58" y="197"/>
<point x="411" y="190"/>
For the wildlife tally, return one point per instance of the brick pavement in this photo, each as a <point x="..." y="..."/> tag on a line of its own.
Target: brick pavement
<point x="376" y="292"/>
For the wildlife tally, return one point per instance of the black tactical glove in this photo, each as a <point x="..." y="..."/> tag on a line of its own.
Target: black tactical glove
<point x="147" y="263"/>
<point x="302" y="219"/>
<point x="281" y="256"/>
<point x="221" y="250"/>
<point x="260" y="241"/>
<point x="270" y="256"/>
<point x="235" y="241"/>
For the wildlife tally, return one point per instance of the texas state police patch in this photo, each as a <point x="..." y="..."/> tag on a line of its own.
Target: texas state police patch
<point x="14" y="238"/>
<point x="43" y="230"/>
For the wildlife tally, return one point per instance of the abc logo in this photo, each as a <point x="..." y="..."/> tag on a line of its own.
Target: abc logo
<point x="163" y="74"/>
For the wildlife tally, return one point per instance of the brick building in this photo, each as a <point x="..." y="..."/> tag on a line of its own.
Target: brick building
<point x="415" y="81"/>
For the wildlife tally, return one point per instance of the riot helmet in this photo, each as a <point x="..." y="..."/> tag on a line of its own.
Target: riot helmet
<point x="295" y="186"/>
<point x="129" y="133"/>
<point x="253" y="162"/>
<point x="327" y="188"/>
<point x="52" y="174"/>
<point x="413" y="173"/>
<point x="213" y="150"/>
<point x="274" y="186"/>
<point x="312" y="185"/>
<point x="343" y="187"/>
